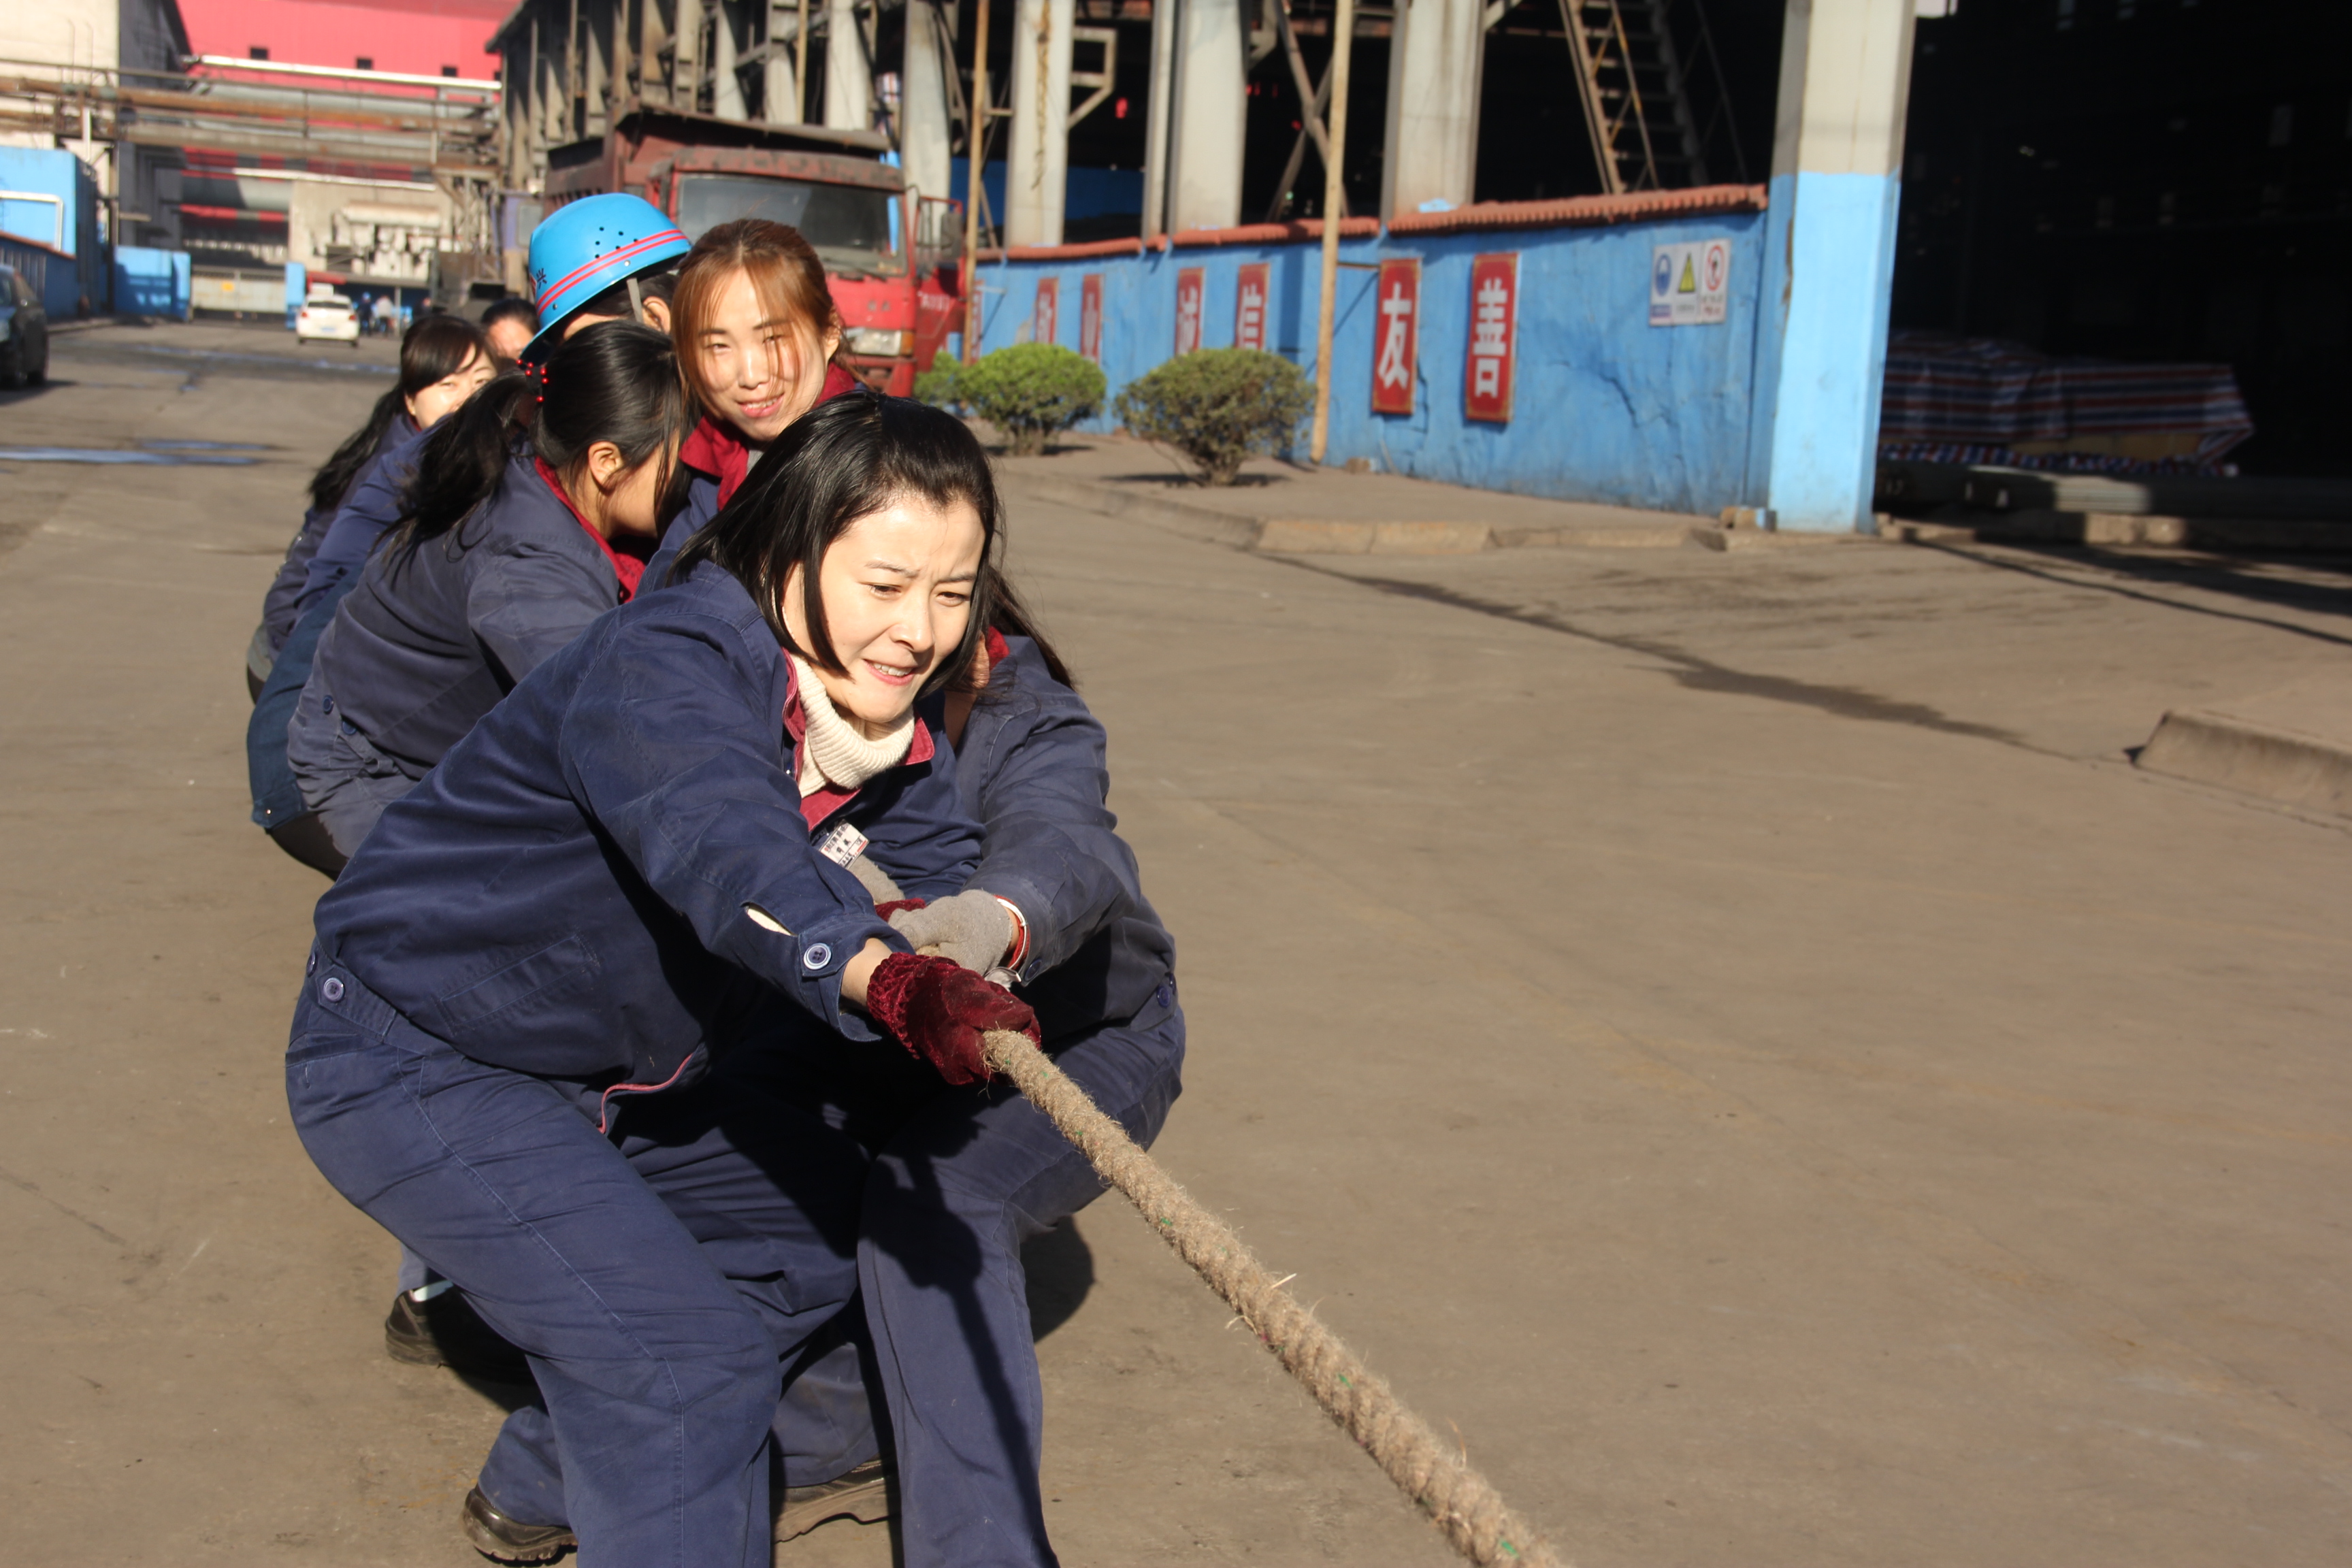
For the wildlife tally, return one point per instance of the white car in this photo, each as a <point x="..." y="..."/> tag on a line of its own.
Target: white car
<point x="330" y="317"/>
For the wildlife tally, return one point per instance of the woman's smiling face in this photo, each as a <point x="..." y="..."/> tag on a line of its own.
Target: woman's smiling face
<point x="896" y="588"/>
<point x="762" y="369"/>
<point x="429" y="405"/>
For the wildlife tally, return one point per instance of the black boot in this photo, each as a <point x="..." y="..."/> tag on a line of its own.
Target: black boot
<point x="445" y="1331"/>
<point x="863" y="1495"/>
<point x="495" y="1535"/>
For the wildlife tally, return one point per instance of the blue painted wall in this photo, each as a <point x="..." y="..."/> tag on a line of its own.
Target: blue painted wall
<point x="53" y="171"/>
<point x="1832" y="362"/>
<point x="149" y="282"/>
<point x="1606" y="406"/>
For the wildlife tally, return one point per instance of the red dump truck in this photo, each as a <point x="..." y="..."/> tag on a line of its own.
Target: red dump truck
<point x="893" y="258"/>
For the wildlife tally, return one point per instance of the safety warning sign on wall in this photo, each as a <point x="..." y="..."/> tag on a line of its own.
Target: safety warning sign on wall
<point x="1396" y="335"/>
<point x="1090" y="316"/>
<point x="1191" y="285"/>
<point x="1045" y="321"/>
<point x="1494" y="323"/>
<point x="1688" y="283"/>
<point x="1250" y="292"/>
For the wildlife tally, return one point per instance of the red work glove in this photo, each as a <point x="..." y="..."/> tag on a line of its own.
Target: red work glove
<point x="887" y="910"/>
<point x="939" y="1010"/>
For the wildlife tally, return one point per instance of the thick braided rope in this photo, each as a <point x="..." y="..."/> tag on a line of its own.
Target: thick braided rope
<point x="1433" y="1473"/>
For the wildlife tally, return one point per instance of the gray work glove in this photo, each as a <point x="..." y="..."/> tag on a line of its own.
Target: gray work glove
<point x="972" y="927"/>
<point x="874" y="880"/>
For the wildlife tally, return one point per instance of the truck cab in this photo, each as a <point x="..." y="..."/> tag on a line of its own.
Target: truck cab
<point x="891" y="256"/>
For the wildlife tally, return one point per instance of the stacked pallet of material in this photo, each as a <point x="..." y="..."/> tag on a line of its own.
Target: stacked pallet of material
<point x="1978" y="401"/>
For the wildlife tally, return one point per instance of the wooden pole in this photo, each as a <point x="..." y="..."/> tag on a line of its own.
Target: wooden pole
<point x="800" y="68"/>
<point x="1335" y="203"/>
<point x="975" y="149"/>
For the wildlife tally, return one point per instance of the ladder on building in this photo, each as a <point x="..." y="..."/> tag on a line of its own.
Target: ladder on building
<point x="1653" y="94"/>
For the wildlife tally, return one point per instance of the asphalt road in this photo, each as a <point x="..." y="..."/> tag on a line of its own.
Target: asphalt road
<point x="1731" y="1036"/>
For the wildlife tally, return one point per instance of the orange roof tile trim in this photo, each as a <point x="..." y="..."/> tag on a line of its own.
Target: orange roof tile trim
<point x="1580" y="212"/>
<point x="1065" y="252"/>
<point x="1297" y="233"/>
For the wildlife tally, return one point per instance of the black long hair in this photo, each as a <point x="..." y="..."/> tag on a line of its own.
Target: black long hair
<point x="849" y="457"/>
<point x="1011" y="617"/>
<point x="435" y="347"/>
<point x="615" y="381"/>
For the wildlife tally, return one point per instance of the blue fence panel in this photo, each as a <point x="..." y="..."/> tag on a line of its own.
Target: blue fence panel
<point x="150" y="282"/>
<point x="1606" y="407"/>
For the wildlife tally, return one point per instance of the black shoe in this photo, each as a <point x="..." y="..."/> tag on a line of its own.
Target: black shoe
<point x="446" y="1332"/>
<point x="863" y="1495"/>
<point x="494" y="1535"/>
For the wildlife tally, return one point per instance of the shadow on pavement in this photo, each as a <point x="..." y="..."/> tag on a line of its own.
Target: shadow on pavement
<point x="2206" y="574"/>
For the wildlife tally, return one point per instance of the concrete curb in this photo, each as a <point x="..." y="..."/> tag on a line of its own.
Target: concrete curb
<point x="1316" y="536"/>
<point x="1200" y="522"/>
<point x="2284" y="765"/>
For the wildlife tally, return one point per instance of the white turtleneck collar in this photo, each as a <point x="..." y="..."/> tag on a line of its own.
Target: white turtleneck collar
<point x="831" y="750"/>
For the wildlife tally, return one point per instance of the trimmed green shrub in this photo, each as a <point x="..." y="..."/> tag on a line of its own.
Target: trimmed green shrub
<point x="936" y="385"/>
<point x="1219" y="406"/>
<point x="1029" y="391"/>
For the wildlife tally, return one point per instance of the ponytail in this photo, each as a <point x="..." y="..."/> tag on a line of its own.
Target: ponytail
<point x="616" y="380"/>
<point x="333" y="480"/>
<point x="462" y="460"/>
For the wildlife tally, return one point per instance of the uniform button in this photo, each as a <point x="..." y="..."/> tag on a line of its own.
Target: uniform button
<point x="817" y="956"/>
<point x="312" y="967"/>
<point x="332" y="988"/>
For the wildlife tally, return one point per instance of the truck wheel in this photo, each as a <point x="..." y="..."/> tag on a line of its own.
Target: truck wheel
<point x="39" y="372"/>
<point x="12" y="365"/>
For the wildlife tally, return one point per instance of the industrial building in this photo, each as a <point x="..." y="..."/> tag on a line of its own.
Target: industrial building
<point x="2084" y="236"/>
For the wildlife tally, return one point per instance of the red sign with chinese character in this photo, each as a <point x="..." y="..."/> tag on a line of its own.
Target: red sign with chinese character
<point x="1494" y="325"/>
<point x="1090" y="316"/>
<point x="1250" y="296"/>
<point x="1045" y="321"/>
<point x="1191" y="293"/>
<point x="1396" y="335"/>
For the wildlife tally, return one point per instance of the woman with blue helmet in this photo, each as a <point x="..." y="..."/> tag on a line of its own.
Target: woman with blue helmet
<point x="605" y="252"/>
<point x="601" y="258"/>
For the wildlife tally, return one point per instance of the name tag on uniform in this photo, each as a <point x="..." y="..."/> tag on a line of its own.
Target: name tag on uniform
<point x="841" y="844"/>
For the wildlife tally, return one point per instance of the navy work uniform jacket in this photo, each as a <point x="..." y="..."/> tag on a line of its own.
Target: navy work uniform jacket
<point x="432" y="639"/>
<point x="1032" y="767"/>
<point x="294" y="587"/>
<point x="377" y="502"/>
<point x="572" y="893"/>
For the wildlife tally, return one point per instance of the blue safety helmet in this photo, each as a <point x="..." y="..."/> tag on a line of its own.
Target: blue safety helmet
<point x="584" y="247"/>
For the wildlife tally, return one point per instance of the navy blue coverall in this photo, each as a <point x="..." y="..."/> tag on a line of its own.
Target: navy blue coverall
<point x="282" y="606"/>
<point x="961" y="1178"/>
<point x="328" y="569"/>
<point x="430" y="640"/>
<point x="502" y="1054"/>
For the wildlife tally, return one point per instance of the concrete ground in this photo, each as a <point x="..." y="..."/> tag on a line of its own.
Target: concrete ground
<point x="1730" y="1035"/>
